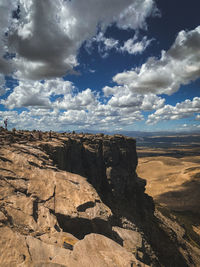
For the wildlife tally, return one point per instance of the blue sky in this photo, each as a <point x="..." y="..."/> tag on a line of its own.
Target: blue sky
<point x="100" y="65"/>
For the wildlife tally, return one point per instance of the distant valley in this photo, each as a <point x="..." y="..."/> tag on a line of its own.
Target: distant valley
<point x="171" y="166"/>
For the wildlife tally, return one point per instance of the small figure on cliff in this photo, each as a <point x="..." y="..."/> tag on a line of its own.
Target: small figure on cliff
<point x="50" y="134"/>
<point x="6" y="124"/>
<point x="31" y="137"/>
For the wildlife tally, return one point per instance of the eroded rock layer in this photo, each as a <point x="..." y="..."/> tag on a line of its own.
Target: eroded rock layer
<point x="76" y="200"/>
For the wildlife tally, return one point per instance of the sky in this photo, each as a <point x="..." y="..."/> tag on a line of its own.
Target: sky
<point x="103" y="65"/>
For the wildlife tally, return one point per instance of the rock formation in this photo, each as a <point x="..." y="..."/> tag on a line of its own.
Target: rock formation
<point x="75" y="200"/>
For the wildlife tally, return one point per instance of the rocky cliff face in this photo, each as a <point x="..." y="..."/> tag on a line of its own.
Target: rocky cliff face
<point x="76" y="200"/>
<point x="108" y="163"/>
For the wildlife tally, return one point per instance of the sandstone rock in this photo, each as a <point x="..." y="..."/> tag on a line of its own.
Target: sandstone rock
<point x="13" y="249"/>
<point x="93" y="250"/>
<point x="60" y="239"/>
<point x="103" y="160"/>
<point x="98" y="250"/>
<point x="41" y="252"/>
<point x="75" y="200"/>
<point x="75" y="196"/>
<point x="132" y="240"/>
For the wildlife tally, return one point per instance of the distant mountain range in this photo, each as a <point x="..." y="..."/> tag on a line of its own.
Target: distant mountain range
<point x="141" y="134"/>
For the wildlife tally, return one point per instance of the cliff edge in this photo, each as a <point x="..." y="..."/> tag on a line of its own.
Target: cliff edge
<point x="76" y="200"/>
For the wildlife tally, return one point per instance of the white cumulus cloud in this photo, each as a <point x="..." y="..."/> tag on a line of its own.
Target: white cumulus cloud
<point x="46" y="35"/>
<point x="178" y="66"/>
<point x="59" y="104"/>
<point x="36" y="94"/>
<point x="80" y="101"/>
<point x="132" y="46"/>
<point x="124" y="98"/>
<point x="184" y="109"/>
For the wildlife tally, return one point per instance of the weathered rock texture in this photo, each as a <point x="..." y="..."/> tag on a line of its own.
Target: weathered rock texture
<point x="76" y="200"/>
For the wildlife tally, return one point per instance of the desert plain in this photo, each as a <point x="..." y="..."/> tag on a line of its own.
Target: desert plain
<point x="171" y="167"/>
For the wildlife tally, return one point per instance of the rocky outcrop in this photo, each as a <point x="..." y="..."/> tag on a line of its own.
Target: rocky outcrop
<point x="108" y="163"/>
<point x="76" y="200"/>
